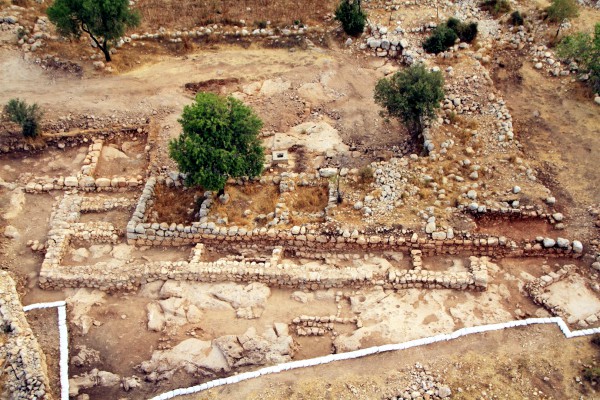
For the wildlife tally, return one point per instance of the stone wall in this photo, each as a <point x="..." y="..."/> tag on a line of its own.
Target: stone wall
<point x="272" y="273"/>
<point x="536" y="290"/>
<point x="85" y="179"/>
<point x="304" y="240"/>
<point x="70" y="139"/>
<point x="26" y="371"/>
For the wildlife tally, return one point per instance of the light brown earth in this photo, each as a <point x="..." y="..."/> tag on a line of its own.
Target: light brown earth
<point x="522" y="363"/>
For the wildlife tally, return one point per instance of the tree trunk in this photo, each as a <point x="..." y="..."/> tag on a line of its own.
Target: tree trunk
<point x="106" y="54"/>
<point x="103" y="46"/>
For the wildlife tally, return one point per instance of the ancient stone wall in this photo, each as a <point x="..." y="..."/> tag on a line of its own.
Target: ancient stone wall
<point x="272" y="273"/>
<point x="26" y="371"/>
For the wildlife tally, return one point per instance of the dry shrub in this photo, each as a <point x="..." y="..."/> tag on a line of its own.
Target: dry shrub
<point x="365" y="175"/>
<point x="311" y="199"/>
<point x="301" y="160"/>
<point x="257" y="198"/>
<point x="176" y="205"/>
<point x="192" y="13"/>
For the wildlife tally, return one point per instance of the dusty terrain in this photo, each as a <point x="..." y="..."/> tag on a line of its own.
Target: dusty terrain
<point x="315" y="96"/>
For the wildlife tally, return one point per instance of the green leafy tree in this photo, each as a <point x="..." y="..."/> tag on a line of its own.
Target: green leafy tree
<point x="28" y="117"/>
<point x="219" y="140"/>
<point x="105" y="21"/>
<point x="561" y="10"/>
<point x="584" y="48"/>
<point x="411" y="95"/>
<point x="351" y="16"/>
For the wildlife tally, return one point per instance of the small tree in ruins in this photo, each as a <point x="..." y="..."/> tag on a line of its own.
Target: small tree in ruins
<point x="105" y="21"/>
<point x="561" y="10"/>
<point x="411" y="95"/>
<point x="219" y="140"/>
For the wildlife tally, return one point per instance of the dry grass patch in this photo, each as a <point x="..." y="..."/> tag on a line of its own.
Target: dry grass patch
<point x="188" y="13"/>
<point x="178" y="205"/>
<point x="257" y="198"/>
<point x="312" y="199"/>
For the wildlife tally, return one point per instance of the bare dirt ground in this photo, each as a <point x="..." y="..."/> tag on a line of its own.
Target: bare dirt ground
<point x="560" y="129"/>
<point x="534" y="362"/>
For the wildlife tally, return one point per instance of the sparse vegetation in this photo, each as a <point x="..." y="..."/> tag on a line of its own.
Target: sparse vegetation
<point x="584" y="48"/>
<point x="219" y="140"/>
<point x="175" y="204"/>
<point x="351" y="16"/>
<point x="258" y="199"/>
<point x="516" y="19"/>
<point x="561" y="10"/>
<point x="27" y="116"/>
<point x="105" y="21"/>
<point x="365" y="174"/>
<point x="496" y="7"/>
<point x="411" y="95"/>
<point x="311" y="199"/>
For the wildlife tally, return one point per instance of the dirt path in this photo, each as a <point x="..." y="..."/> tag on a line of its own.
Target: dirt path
<point x="142" y="89"/>
<point x="519" y="363"/>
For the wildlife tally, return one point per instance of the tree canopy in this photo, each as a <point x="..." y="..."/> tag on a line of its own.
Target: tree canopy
<point x="219" y="140"/>
<point x="105" y="21"/>
<point x="411" y="95"/>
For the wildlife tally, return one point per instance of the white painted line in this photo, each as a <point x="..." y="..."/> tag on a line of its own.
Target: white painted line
<point x="377" y="349"/>
<point x="63" y="340"/>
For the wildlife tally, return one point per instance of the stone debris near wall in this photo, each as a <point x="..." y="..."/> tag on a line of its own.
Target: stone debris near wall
<point x="25" y="369"/>
<point x="222" y="354"/>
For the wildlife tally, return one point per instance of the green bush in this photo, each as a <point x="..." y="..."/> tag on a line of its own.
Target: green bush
<point x="219" y="140"/>
<point x="496" y="7"/>
<point x="411" y="95"/>
<point x="516" y="19"/>
<point x="28" y="117"/>
<point x="585" y="50"/>
<point x="445" y="35"/>
<point x="351" y="16"/>
<point x="440" y="40"/>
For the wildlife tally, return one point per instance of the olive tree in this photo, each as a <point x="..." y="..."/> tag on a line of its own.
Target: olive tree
<point x="411" y="95"/>
<point x="105" y="21"/>
<point x="219" y="140"/>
